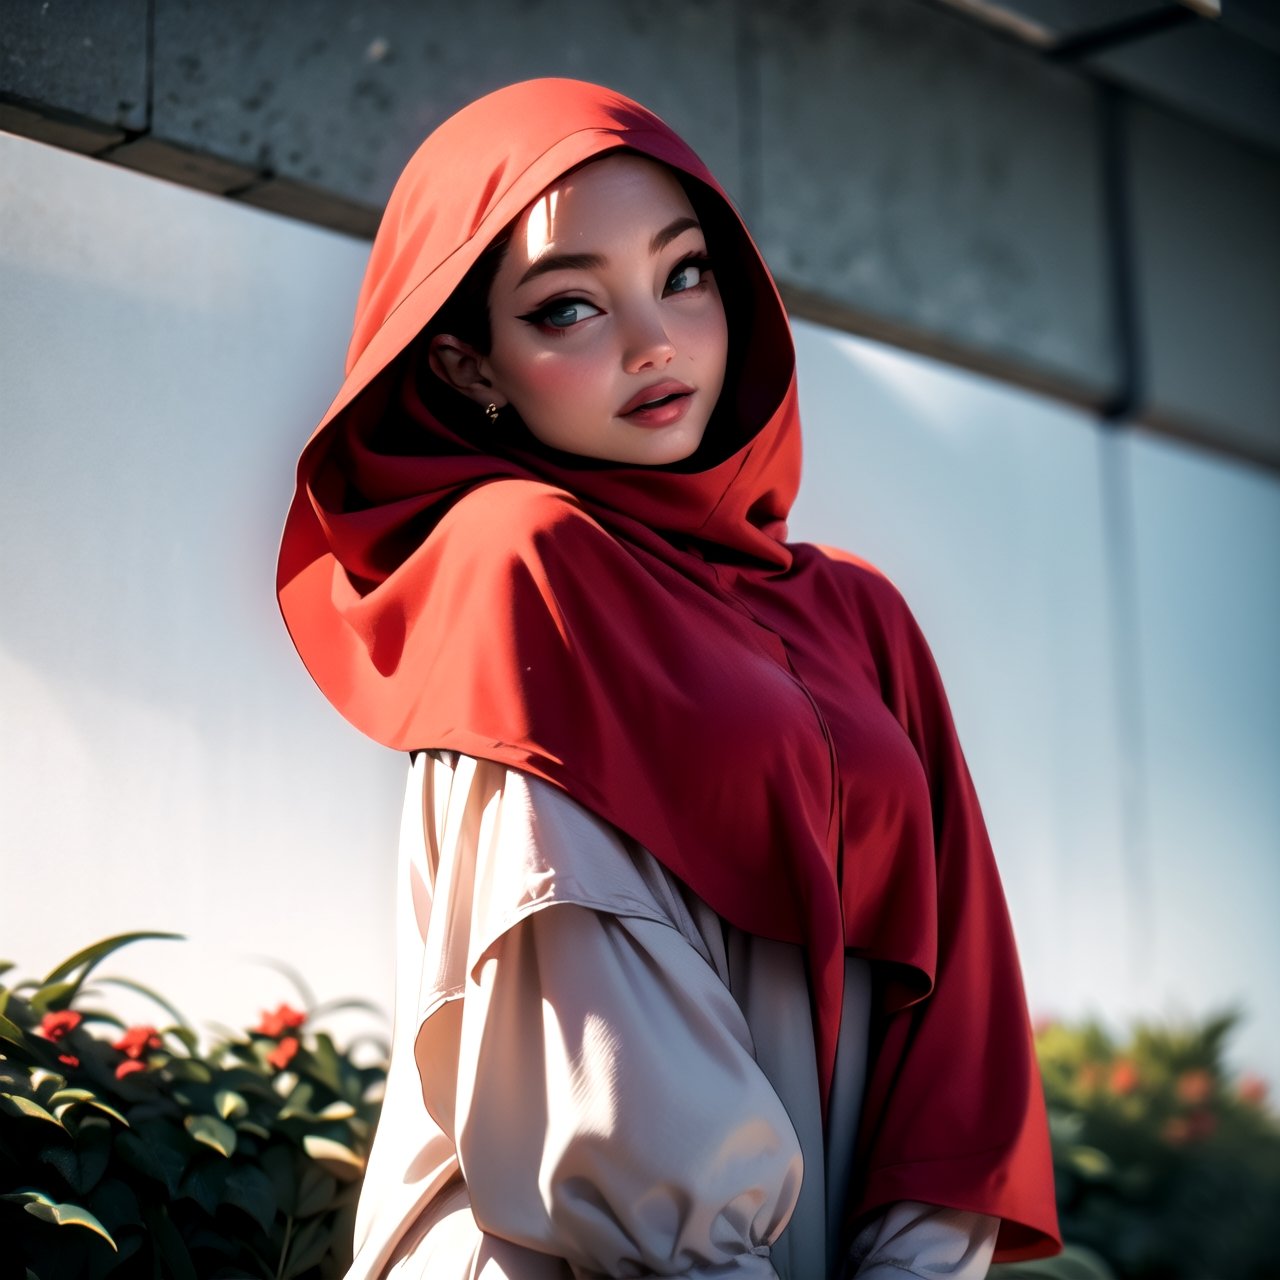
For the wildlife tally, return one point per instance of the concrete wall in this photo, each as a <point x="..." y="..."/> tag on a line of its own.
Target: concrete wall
<point x="912" y="175"/>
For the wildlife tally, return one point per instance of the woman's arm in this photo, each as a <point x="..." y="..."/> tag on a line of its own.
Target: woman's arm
<point x="923" y="1240"/>
<point x="597" y="1076"/>
<point x="610" y="1108"/>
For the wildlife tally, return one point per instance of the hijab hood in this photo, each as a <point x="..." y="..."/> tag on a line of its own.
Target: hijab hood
<point x="511" y="145"/>
<point x="763" y="717"/>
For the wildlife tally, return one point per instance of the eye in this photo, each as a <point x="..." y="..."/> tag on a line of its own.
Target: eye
<point x="689" y="274"/>
<point x="563" y="313"/>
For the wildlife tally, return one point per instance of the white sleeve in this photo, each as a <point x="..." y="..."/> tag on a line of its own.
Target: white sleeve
<point x="909" y="1238"/>
<point x="609" y="1109"/>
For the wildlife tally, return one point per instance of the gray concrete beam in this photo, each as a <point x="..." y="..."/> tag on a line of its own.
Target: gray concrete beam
<point x="1205" y="212"/>
<point x="84" y="59"/>
<point x="339" y="102"/>
<point x="941" y="187"/>
<point x="1205" y="71"/>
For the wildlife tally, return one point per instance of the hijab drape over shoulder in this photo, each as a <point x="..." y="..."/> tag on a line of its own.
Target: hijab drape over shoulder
<point x="764" y="717"/>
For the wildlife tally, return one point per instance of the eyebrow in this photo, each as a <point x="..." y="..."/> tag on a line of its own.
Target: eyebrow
<point x="591" y="261"/>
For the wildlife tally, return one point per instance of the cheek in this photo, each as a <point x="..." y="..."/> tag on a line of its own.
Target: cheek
<point x="552" y="377"/>
<point x="707" y="335"/>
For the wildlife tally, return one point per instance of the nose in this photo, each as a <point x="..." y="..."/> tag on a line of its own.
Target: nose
<point x="647" y="345"/>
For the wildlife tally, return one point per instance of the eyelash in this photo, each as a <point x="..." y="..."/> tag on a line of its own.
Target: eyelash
<point x="539" y="318"/>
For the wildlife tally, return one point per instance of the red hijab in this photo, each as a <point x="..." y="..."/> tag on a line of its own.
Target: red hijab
<point x="764" y="717"/>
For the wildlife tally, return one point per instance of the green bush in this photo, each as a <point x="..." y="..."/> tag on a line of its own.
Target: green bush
<point x="1165" y="1166"/>
<point x="130" y="1152"/>
<point x="134" y="1153"/>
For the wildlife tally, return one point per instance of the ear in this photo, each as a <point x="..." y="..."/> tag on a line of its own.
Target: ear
<point x="461" y="366"/>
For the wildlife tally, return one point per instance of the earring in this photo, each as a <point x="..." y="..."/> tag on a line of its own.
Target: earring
<point x="491" y="412"/>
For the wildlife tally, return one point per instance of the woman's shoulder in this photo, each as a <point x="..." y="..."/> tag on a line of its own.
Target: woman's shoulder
<point x="518" y="520"/>
<point x="859" y="582"/>
<point x="513" y="505"/>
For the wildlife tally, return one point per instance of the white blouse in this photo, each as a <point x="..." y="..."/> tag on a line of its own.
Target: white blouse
<point x="625" y="1086"/>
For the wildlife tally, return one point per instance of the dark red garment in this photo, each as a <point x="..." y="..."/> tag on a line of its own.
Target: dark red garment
<point x="764" y="717"/>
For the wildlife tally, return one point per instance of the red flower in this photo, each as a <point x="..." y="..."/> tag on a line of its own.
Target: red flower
<point x="68" y="1059"/>
<point x="128" y="1067"/>
<point x="137" y="1040"/>
<point x="1253" y="1089"/>
<point x="1194" y="1086"/>
<point x="1124" y="1077"/>
<point x="283" y="1053"/>
<point x="1175" y="1131"/>
<point x="285" y="1018"/>
<point x="53" y="1026"/>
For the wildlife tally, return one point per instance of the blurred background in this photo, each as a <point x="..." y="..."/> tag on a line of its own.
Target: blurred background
<point x="1030" y="247"/>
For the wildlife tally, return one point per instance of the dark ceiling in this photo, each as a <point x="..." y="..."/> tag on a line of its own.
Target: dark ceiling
<point x="1214" y="60"/>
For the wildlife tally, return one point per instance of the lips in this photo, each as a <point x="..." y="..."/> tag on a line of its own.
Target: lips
<point x="659" y="391"/>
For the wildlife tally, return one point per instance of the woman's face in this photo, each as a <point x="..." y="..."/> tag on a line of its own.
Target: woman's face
<point x="608" y="332"/>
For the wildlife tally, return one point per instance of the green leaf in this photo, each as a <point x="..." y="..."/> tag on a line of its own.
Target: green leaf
<point x="16" y="1105"/>
<point x="154" y="1159"/>
<point x="299" y="982"/>
<point x="93" y="955"/>
<point x="129" y="1243"/>
<point x="67" y="1095"/>
<point x="230" y="1105"/>
<point x="252" y="1192"/>
<point x="205" y="1183"/>
<point x="298" y="1102"/>
<point x="44" y="1207"/>
<point x="212" y="1132"/>
<point x="81" y="1167"/>
<point x="325" y="1064"/>
<point x="11" y="1032"/>
<point x="65" y="1099"/>
<point x="339" y="1110"/>
<point x="115" y="1202"/>
<point x="315" y="1191"/>
<point x="279" y="1163"/>
<point x="333" y="1157"/>
<point x="51" y="995"/>
<point x="101" y="1015"/>
<point x="154" y="996"/>
<point x="6" y="965"/>
<point x="168" y="1241"/>
<point x="334" y="1006"/>
<point x="190" y="1069"/>
<point x="1090" y="1162"/>
<point x="46" y="1083"/>
<point x="308" y="1246"/>
<point x="190" y="1041"/>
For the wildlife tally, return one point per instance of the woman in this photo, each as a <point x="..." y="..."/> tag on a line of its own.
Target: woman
<point x="704" y="966"/>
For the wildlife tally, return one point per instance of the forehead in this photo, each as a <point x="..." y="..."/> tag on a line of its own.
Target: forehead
<point x="612" y="200"/>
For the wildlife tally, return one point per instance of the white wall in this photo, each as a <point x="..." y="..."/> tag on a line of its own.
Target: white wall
<point x="1105" y="610"/>
<point x="165" y="761"/>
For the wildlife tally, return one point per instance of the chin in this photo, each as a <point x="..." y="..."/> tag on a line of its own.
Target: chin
<point x="666" y="449"/>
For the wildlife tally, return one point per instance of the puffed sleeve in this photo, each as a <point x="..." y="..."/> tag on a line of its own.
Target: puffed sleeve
<point x="591" y="1066"/>
<point x="928" y="1241"/>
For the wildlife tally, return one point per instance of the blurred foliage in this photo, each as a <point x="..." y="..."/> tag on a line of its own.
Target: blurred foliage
<point x="1167" y="1168"/>
<point x="134" y="1153"/>
<point x="129" y="1151"/>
